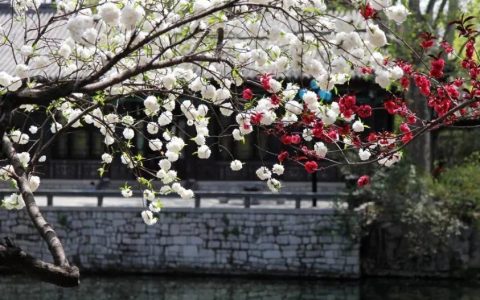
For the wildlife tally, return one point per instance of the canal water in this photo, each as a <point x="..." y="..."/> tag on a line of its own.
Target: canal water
<point x="221" y="288"/>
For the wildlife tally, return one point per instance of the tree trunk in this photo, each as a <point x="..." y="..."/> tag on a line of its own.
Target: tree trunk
<point x="420" y="149"/>
<point x="59" y="273"/>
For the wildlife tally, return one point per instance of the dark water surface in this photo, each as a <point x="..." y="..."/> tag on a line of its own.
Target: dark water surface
<point x="222" y="288"/>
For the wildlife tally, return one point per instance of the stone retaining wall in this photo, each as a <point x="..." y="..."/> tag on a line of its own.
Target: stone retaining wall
<point x="287" y="242"/>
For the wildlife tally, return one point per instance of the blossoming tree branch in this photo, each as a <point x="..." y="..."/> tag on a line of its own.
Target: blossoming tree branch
<point x="198" y="61"/>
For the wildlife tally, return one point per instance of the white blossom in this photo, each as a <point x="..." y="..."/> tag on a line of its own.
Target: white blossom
<point x="148" y="217"/>
<point x="320" y="149"/>
<point x="13" y="201"/>
<point x="128" y="133"/>
<point x="18" y="137"/>
<point x="151" y="105"/>
<point x="155" y="144"/>
<point x="131" y="15"/>
<point x="110" y="13"/>
<point x="148" y="195"/>
<point x="364" y="154"/>
<point x="204" y="152"/>
<point x="263" y="173"/>
<point x="33" y="129"/>
<point x="127" y="192"/>
<point x="26" y="50"/>
<point x="165" y="118"/>
<point x="24" y="158"/>
<point x="358" y="126"/>
<point x="278" y="169"/>
<point x="107" y="158"/>
<point x="236" y="165"/>
<point x="34" y="183"/>
<point x="274" y="185"/>
<point x="155" y="206"/>
<point x="165" y="164"/>
<point x="152" y="128"/>
<point x="397" y="13"/>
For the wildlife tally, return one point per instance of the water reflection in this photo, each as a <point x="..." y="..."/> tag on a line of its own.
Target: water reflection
<point x="220" y="288"/>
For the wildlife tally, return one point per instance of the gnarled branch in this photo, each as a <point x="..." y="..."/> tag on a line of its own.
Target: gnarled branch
<point x="15" y="258"/>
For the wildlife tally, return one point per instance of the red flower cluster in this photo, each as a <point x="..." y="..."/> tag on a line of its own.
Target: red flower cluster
<point x="311" y="166"/>
<point x="363" y="181"/>
<point x="293" y="139"/>
<point x="427" y="40"/>
<point x="407" y="133"/>
<point x="423" y="84"/>
<point x="364" y="111"/>
<point x="446" y="46"/>
<point x="437" y="66"/>
<point x="348" y="107"/>
<point x="470" y="49"/>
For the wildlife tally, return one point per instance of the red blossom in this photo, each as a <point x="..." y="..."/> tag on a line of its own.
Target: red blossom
<point x="390" y="106"/>
<point x="446" y="46"/>
<point x="423" y="84"/>
<point x="275" y="100"/>
<point x="347" y="105"/>
<point x="311" y="166"/>
<point x="470" y="48"/>
<point x="332" y="135"/>
<point x="265" y="80"/>
<point x="363" y="181"/>
<point x="282" y="156"/>
<point x="367" y="11"/>
<point x="247" y="94"/>
<point x="256" y="118"/>
<point x="290" y="139"/>
<point x="364" y="111"/>
<point x="411" y="119"/>
<point x="308" y="118"/>
<point x="437" y="66"/>
<point x="366" y="70"/>
<point x="296" y="139"/>
<point x="405" y="82"/>
<point x="452" y="91"/>
<point x="286" y="139"/>
<point x="372" y="137"/>
<point x="407" y="137"/>
<point x="404" y="128"/>
<point x="427" y="40"/>
<point x="406" y="67"/>
<point x="458" y="82"/>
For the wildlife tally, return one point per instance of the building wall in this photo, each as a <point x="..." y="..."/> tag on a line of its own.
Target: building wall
<point x="314" y="243"/>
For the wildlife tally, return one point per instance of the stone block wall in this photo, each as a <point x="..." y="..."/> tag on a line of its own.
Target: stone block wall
<point x="314" y="243"/>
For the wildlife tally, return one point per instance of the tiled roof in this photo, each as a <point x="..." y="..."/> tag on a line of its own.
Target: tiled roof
<point x="18" y="36"/>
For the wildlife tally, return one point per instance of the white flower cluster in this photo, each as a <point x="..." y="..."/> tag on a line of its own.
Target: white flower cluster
<point x="13" y="201"/>
<point x="263" y="173"/>
<point x="118" y="38"/>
